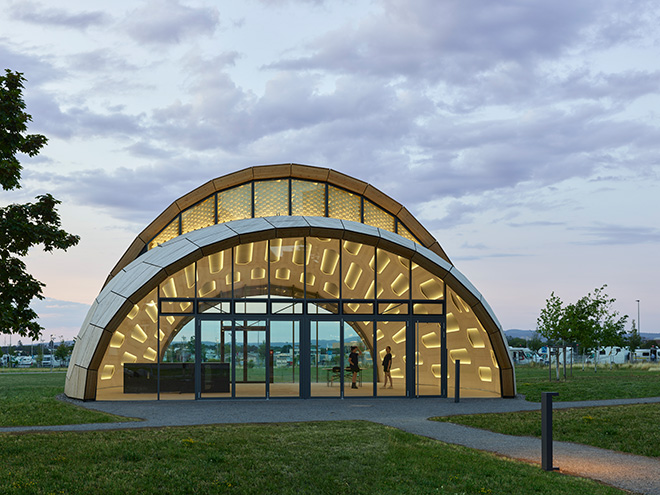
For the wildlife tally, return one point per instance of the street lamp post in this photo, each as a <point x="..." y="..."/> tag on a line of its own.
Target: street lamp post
<point x="639" y="327"/>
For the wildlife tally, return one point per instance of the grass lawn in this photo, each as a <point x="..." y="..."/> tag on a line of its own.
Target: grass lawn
<point x="324" y="457"/>
<point x="28" y="399"/>
<point x="618" y="383"/>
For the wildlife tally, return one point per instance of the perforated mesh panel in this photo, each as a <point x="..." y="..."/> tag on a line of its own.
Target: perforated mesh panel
<point x="377" y="217"/>
<point x="199" y="216"/>
<point x="271" y="198"/>
<point x="404" y="232"/>
<point x="235" y="204"/>
<point x="169" y="232"/>
<point x="343" y="205"/>
<point x="307" y="198"/>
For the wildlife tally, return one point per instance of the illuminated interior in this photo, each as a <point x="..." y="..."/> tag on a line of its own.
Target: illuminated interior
<point x="261" y="290"/>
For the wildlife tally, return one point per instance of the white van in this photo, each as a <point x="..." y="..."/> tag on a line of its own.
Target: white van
<point x="50" y="362"/>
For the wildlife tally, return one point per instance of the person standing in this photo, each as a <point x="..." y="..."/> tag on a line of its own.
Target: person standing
<point x="353" y="364"/>
<point x="387" y="366"/>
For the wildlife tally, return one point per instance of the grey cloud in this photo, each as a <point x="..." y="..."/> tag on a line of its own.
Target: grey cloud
<point x="36" y="13"/>
<point x="618" y="234"/>
<point x="168" y="22"/>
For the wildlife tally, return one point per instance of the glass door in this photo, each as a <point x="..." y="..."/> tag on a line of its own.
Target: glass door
<point x="325" y="360"/>
<point x="358" y="359"/>
<point x="216" y="358"/>
<point x="284" y="358"/>
<point x="250" y="363"/>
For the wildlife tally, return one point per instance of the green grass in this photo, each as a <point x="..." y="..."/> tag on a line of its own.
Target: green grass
<point x="329" y="457"/>
<point x="29" y="399"/>
<point x="633" y="429"/>
<point x="618" y="383"/>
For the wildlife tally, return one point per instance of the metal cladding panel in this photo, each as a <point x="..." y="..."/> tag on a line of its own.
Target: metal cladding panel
<point x="134" y="277"/>
<point x="324" y="225"/>
<point x="177" y="248"/>
<point x="76" y="380"/>
<point x="289" y="226"/>
<point x="360" y="232"/>
<point x="397" y="244"/>
<point x="211" y="235"/>
<point x="109" y="303"/>
<point x="86" y="345"/>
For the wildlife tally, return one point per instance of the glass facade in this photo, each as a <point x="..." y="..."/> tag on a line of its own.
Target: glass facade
<point x="284" y="318"/>
<point x="280" y="197"/>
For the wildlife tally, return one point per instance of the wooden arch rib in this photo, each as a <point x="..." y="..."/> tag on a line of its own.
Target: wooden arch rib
<point x="263" y="172"/>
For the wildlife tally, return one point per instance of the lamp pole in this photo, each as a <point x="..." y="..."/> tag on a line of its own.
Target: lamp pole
<point x="638" y="325"/>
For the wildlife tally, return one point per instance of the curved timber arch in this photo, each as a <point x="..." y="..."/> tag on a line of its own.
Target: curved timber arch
<point x="272" y="305"/>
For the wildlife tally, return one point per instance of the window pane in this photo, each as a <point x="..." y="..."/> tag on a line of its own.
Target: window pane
<point x="358" y="262"/>
<point x="235" y="203"/>
<point x="251" y="269"/>
<point x="307" y="198"/>
<point x="325" y="371"/>
<point x="285" y="358"/>
<point x="214" y="275"/>
<point x="377" y="217"/>
<point x="393" y="276"/>
<point x="322" y="268"/>
<point x="344" y="205"/>
<point x="199" y="216"/>
<point x="392" y="334"/>
<point x="271" y="198"/>
<point x="360" y="335"/>
<point x="169" y="232"/>
<point x="287" y="261"/>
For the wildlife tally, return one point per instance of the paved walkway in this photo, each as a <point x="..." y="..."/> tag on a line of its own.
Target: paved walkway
<point x="635" y="473"/>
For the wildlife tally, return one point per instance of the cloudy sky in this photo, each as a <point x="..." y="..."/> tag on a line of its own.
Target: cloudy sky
<point x="523" y="135"/>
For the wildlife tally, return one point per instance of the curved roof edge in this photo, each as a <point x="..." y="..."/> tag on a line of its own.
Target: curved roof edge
<point x="265" y="172"/>
<point x="138" y="278"/>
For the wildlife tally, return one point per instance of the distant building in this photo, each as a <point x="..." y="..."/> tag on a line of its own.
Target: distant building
<point x="247" y="268"/>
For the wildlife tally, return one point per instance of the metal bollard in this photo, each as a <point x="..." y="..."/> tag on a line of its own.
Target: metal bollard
<point x="457" y="380"/>
<point x="546" y="430"/>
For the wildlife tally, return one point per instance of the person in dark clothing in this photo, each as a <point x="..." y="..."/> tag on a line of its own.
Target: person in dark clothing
<point x="353" y="364"/>
<point x="387" y="366"/>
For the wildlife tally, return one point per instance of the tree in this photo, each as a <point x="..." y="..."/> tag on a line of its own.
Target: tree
<point x="62" y="352"/>
<point x="22" y="226"/>
<point x="633" y="340"/>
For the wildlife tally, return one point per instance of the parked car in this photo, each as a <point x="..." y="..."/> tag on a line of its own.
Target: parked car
<point x="24" y="361"/>
<point x="50" y="362"/>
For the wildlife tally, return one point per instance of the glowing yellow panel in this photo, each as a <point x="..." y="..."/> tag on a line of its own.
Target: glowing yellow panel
<point x="404" y="232"/>
<point x="452" y="323"/>
<point x="379" y="334"/>
<point x="460" y="354"/>
<point x="485" y="374"/>
<point x="331" y="289"/>
<point x="134" y="312"/>
<point x="400" y="285"/>
<point x="243" y="254"/>
<point x="329" y="261"/>
<point x="208" y="288"/>
<point x="436" y="369"/>
<point x="475" y="338"/>
<point x="431" y="340"/>
<point x="235" y="203"/>
<point x="397" y="373"/>
<point x="258" y="273"/>
<point x="117" y="340"/>
<point x="139" y="334"/>
<point x="377" y="217"/>
<point x="344" y="205"/>
<point x="169" y="232"/>
<point x="352" y="247"/>
<point x="128" y="358"/>
<point x="199" y="216"/>
<point x="400" y="336"/>
<point x="108" y="372"/>
<point x="149" y="354"/>
<point x="271" y="198"/>
<point x="282" y="274"/>
<point x="307" y="198"/>
<point x="432" y="289"/>
<point x="352" y="275"/>
<point x="152" y="311"/>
